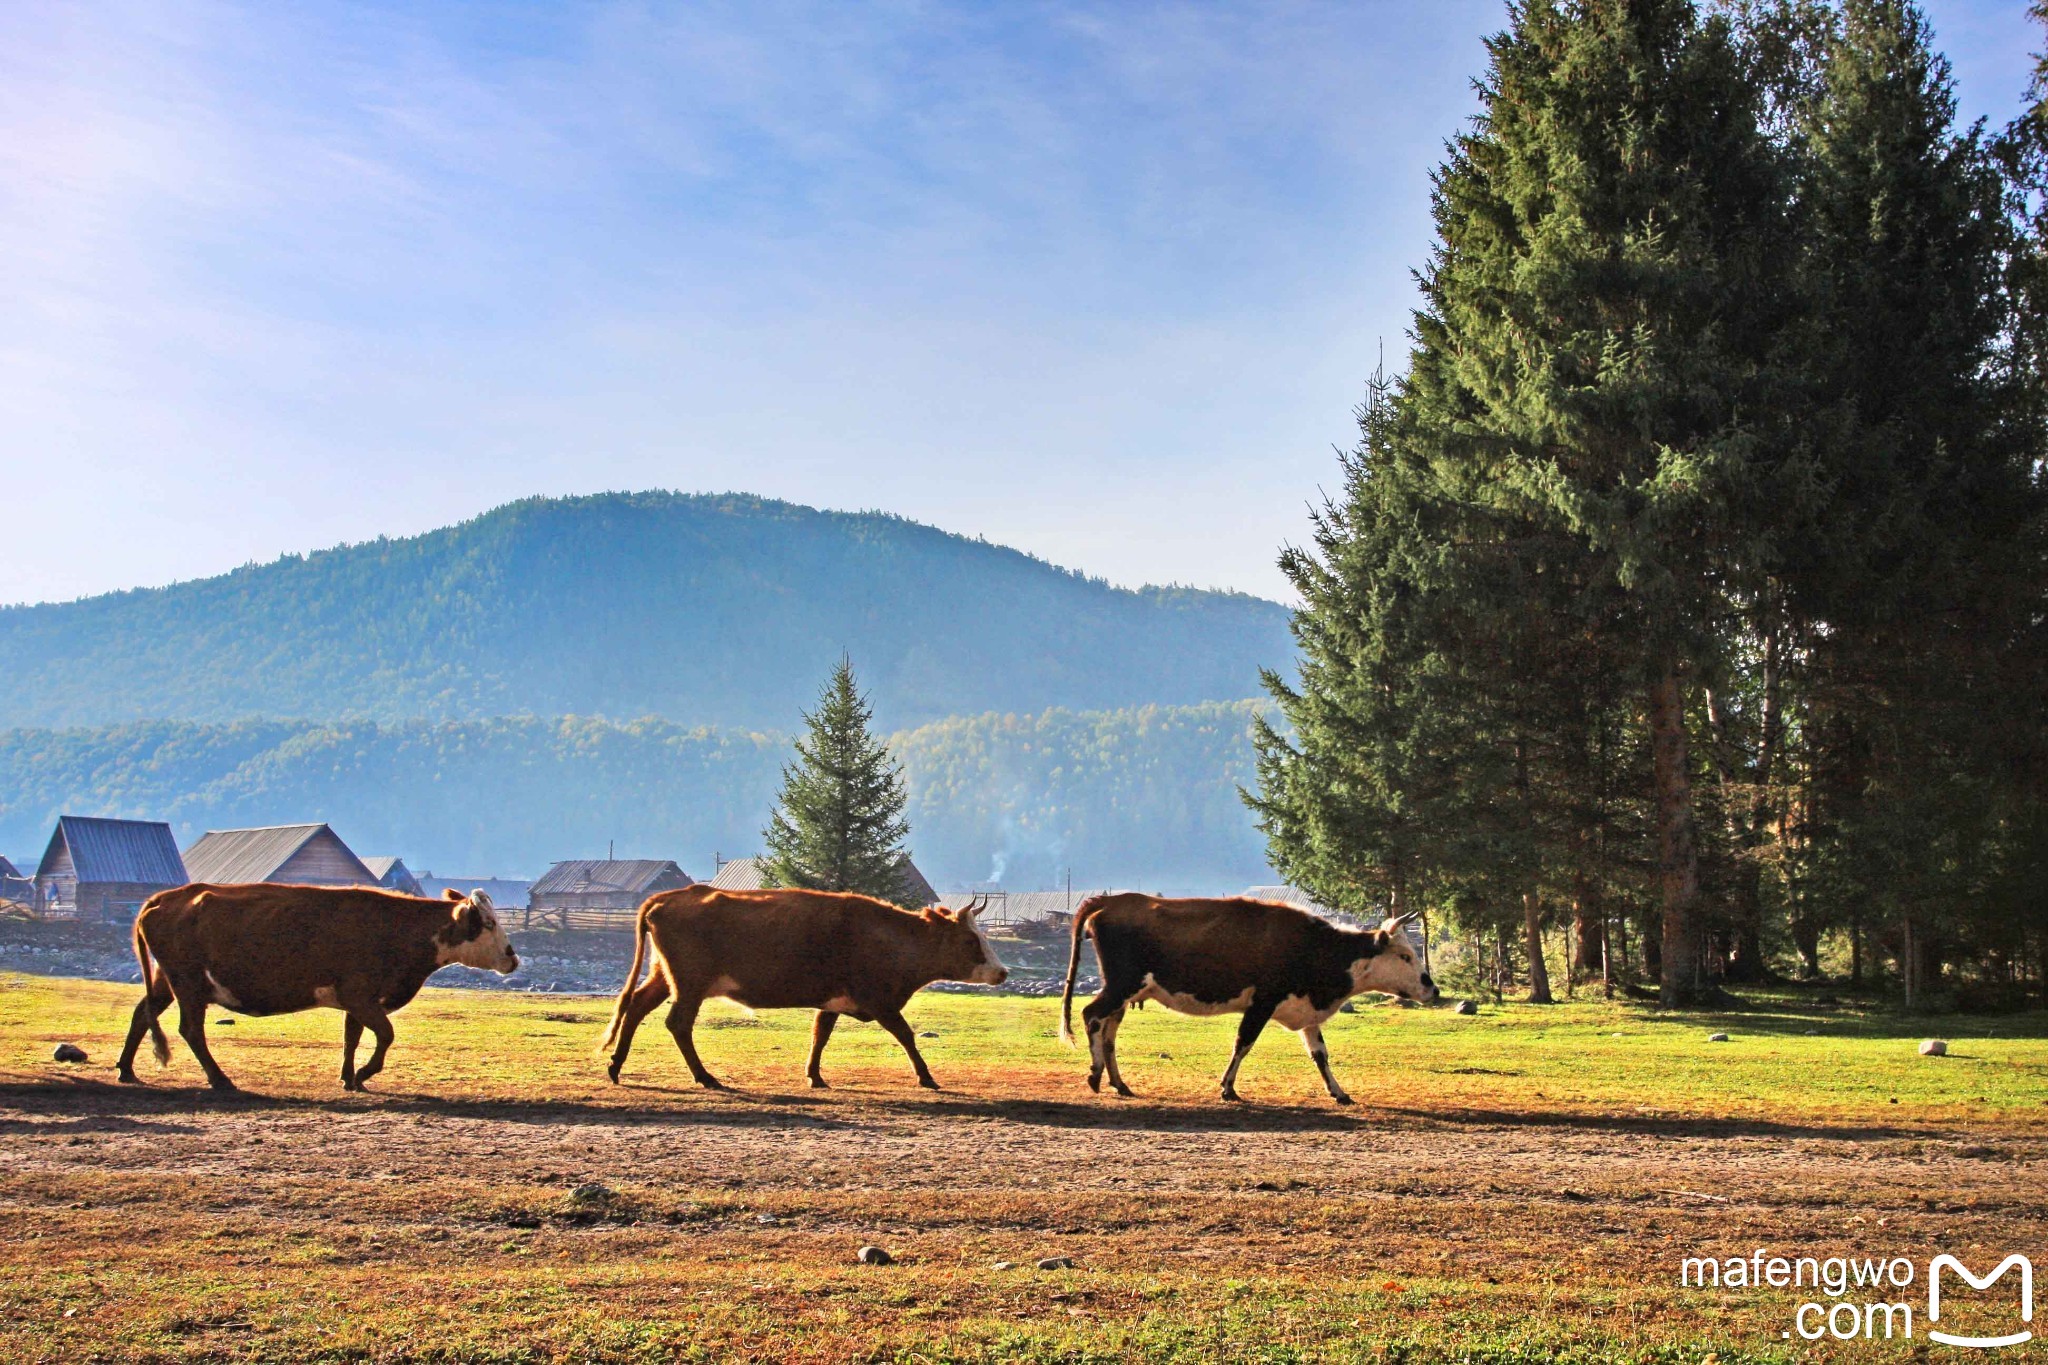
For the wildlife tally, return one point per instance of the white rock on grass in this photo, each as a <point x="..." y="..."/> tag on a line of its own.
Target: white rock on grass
<point x="1934" y="1047"/>
<point x="1717" y="1037"/>
<point x="1467" y="1007"/>
<point x="70" y="1052"/>
<point x="1057" y="1263"/>
<point x="874" y="1256"/>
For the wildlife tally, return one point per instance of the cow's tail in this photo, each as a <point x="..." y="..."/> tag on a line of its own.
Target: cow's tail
<point x="1087" y="911"/>
<point x="158" y="1044"/>
<point x="641" y="929"/>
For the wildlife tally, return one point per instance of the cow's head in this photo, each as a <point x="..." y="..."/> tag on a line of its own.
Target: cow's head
<point x="1392" y="966"/>
<point x="965" y="954"/>
<point x="474" y="935"/>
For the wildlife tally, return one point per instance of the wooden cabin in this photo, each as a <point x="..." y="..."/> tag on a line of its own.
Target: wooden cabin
<point x="507" y="893"/>
<point x="17" y="892"/>
<point x="393" y="875"/>
<point x="301" y="855"/>
<point x="98" y="869"/>
<point x="746" y="874"/>
<point x="600" y="893"/>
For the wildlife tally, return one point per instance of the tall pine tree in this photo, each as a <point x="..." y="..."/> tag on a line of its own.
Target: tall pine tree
<point x="839" y="824"/>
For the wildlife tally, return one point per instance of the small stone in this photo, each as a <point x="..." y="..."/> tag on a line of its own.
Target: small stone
<point x="1934" y="1047"/>
<point x="1348" y="1007"/>
<point x="1717" y="1037"/>
<point x="1002" y="1265"/>
<point x="1057" y="1263"/>
<point x="766" y="1218"/>
<point x="874" y="1256"/>
<point x="1810" y="1033"/>
<point x="223" y="1023"/>
<point x="927" y="1034"/>
<point x="591" y="1193"/>
<point x="1466" y="1007"/>
<point x="70" y="1052"/>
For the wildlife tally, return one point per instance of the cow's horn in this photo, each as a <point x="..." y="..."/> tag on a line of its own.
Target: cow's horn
<point x="1399" y="921"/>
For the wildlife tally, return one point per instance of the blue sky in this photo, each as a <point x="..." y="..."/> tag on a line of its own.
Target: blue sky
<point x="1101" y="281"/>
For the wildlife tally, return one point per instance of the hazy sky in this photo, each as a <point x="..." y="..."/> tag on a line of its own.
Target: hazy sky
<point x="1101" y="281"/>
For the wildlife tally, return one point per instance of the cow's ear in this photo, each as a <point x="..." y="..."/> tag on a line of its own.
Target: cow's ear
<point x="468" y="920"/>
<point x="451" y="894"/>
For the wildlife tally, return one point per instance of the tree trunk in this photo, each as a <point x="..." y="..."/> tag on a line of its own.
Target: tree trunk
<point x="1806" y="938"/>
<point x="1532" y="933"/>
<point x="1678" y="870"/>
<point x="1589" y="924"/>
<point x="1908" y="958"/>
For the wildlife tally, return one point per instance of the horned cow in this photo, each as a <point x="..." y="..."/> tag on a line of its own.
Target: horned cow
<point x="266" y="949"/>
<point x="831" y="951"/>
<point x="1263" y="959"/>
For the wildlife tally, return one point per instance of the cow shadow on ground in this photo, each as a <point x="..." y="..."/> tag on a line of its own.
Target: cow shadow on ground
<point x="89" y="1102"/>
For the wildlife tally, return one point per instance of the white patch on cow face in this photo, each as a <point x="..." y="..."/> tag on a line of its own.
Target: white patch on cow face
<point x="991" y="971"/>
<point x="1393" y="970"/>
<point x="1188" y="1004"/>
<point x="222" y="996"/>
<point x="489" y="951"/>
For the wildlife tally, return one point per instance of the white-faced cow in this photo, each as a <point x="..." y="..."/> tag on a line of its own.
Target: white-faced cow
<point x="265" y="949"/>
<point x="1262" y="959"/>
<point x="831" y="951"/>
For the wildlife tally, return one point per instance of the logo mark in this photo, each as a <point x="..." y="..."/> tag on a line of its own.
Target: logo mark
<point x="2026" y="1269"/>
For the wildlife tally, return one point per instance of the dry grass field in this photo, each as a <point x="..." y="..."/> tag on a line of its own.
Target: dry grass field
<point x="1519" y="1186"/>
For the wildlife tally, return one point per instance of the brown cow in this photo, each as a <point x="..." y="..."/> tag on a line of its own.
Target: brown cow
<point x="264" y="949"/>
<point x="1263" y="959"/>
<point x="831" y="951"/>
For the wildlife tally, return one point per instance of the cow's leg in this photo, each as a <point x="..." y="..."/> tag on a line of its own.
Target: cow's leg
<point x="639" y="1005"/>
<point x="821" y="1031"/>
<point x="378" y="1023"/>
<point x="1096" y="1016"/>
<point x="351" y="1034"/>
<point x="1248" y="1028"/>
<point x="1110" y="1025"/>
<point x="192" y="1001"/>
<point x="156" y="998"/>
<point x="899" y="1029"/>
<point x="1312" y="1039"/>
<point x="682" y="1020"/>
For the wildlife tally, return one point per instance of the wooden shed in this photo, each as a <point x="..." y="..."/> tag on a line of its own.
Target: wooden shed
<point x="17" y="892"/>
<point x="746" y="874"/>
<point x="301" y="855"/>
<point x="105" y="869"/>
<point x="507" y="893"/>
<point x="393" y="875"/>
<point x="600" y="893"/>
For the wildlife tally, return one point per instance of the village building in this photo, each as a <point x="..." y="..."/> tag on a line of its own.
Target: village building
<point x="297" y="855"/>
<point x="600" y="893"/>
<point x="105" y="869"/>
<point x="393" y="875"/>
<point x="16" y="889"/>
<point x="748" y="874"/>
<point x="507" y="893"/>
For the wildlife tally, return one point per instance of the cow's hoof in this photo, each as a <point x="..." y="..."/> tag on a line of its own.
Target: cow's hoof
<point x="1095" y="1083"/>
<point x="1342" y="1099"/>
<point x="613" y="1072"/>
<point x="1126" y="1092"/>
<point x="1231" y="1095"/>
<point x="927" y="1082"/>
<point x="224" y="1086"/>
<point x="711" y="1082"/>
<point x="818" y="1083"/>
<point x="129" y="1078"/>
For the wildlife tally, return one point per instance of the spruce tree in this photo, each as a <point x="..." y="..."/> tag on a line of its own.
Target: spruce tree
<point x="838" y="825"/>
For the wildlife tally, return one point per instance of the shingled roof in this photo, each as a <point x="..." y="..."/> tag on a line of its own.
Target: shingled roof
<point x="136" y="852"/>
<point x="594" y="876"/>
<point x="229" y="856"/>
<point x="746" y="874"/>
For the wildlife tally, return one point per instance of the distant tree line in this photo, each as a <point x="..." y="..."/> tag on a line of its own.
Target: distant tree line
<point x="1686" y="590"/>
<point x="1144" y="797"/>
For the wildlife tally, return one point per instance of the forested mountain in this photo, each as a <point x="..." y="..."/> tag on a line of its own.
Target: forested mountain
<point x="1144" y="797"/>
<point x="702" y="610"/>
